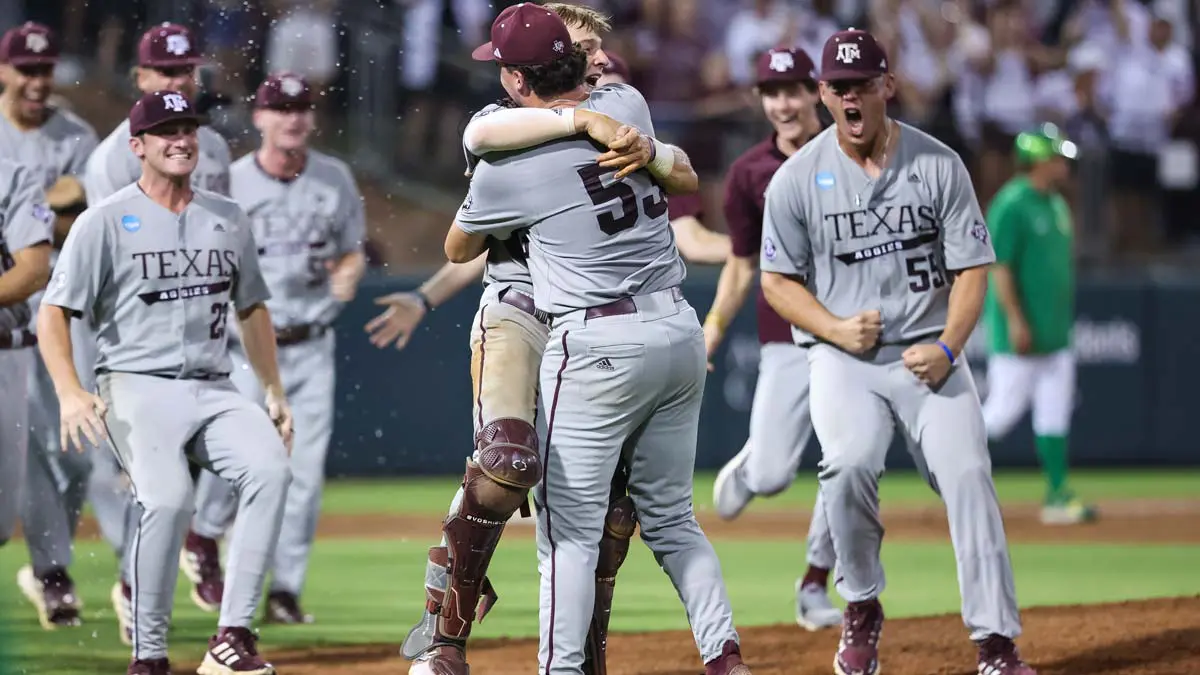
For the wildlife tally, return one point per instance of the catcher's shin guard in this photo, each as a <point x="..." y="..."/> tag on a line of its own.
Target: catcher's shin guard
<point x="619" y="526"/>
<point x="496" y="483"/>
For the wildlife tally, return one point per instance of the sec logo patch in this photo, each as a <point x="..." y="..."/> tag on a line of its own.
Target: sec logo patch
<point x="825" y="180"/>
<point x="769" y="248"/>
<point x="131" y="223"/>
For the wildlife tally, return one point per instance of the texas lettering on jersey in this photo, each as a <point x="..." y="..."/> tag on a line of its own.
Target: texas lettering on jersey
<point x="156" y="287"/>
<point x="886" y="244"/>
<point x="187" y="264"/>
<point x="889" y="222"/>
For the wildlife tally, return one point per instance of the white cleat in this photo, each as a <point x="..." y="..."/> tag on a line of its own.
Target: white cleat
<point x="814" y="610"/>
<point x="730" y="493"/>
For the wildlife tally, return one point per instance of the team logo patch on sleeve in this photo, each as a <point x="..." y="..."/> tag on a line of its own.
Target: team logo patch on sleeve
<point x="42" y="213"/>
<point x="769" y="248"/>
<point x="979" y="231"/>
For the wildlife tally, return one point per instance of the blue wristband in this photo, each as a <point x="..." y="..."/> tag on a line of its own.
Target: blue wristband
<point x="949" y="354"/>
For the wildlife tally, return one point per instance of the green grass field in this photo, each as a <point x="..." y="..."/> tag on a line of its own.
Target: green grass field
<point x="368" y="591"/>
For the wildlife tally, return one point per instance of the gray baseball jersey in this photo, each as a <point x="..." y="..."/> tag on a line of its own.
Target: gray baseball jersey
<point x="155" y="286"/>
<point x="591" y="240"/>
<point x="60" y="147"/>
<point x="113" y="165"/>
<point x="27" y="221"/>
<point x="882" y="244"/>
<point x="507" y="258"/>
<point x="299" y="226"/>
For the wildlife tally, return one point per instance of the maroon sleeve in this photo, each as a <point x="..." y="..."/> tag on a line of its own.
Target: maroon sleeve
<point x="679" y="206"/>
<point x="742" y="218"/>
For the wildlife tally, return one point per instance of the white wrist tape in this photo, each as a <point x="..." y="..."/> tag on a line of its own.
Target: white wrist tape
<point x="568" y="115"/>
<point x="664" y="160"/>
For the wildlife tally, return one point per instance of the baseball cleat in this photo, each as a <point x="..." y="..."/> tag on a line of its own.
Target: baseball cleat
<point x="284" y="607"/>
<point x="730" y="493"/>
<point x="122" y="603"/>
<point x="52" y="595"/>
<point x="998" y="656"/>
<point x="441" y="660"/>
<point x="1069" y="512"/>
<point x="149" y="667"/>
<point x="232" y="651"/>
<point x="814" y="610"/>
<point x="728" y="663"/>
<point x="200" y="562"/>
<point x="858" y="651"/>
<point x="420" y="637"/>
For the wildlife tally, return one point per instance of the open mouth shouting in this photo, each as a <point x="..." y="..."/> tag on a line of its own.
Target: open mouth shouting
<point x="854" y="120"/>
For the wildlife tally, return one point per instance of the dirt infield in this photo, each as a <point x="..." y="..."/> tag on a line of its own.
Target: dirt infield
<point x="1156" y="637"/>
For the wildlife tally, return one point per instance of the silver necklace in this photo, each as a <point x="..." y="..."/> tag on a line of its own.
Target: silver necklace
<point x="882" y="163"/>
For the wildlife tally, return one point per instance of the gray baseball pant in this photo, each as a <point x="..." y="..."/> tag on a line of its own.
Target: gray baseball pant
<point x="14" y="436"/>
<point x="856" y="405"/>
<point x="628" y="385"/>
<point x="308" y="374"/>
<point x="152" y="422"/>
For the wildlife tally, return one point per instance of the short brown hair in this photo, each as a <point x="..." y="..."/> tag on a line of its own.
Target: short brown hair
<point x="581" y="16"/>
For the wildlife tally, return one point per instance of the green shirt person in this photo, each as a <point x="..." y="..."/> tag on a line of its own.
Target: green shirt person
<point x="1030" y="310"/>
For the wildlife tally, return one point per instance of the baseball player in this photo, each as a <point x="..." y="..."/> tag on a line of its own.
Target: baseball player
<point x="1029" y="312"/>
<point x="508" y="337"/>
<point x="26" y="232"/>
<point x="54" y="144"/>
<point x="779" y="421"/>
<point x="167" y="60"/>
<point x="152" y="270"/>
<point x="874" y="247"/>
<point x="600" y="255"/>
<point x="309" y="226"/>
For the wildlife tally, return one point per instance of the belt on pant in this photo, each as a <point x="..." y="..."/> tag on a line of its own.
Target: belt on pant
<point x="524" y="303"/>
<point x="623" y="306"/>
<point x="293" y="335"/>
<point x="17" y="339"/>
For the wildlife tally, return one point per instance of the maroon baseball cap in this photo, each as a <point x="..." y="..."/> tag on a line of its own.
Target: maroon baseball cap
<point x="29" y="44"/>
<point x="168" y="45"/>
<point x="525" y="34"/>
<point x="160" y="107"/>
<point x="284" y="91"/>
<point x="784" y="65"/>
<point x="852" y="55"/>
<point x="617" y="66"/>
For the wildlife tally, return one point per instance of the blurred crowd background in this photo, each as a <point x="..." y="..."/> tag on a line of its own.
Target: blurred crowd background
<point x="1117" y="75"/>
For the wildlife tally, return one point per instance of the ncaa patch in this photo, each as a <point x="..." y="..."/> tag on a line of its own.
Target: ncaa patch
<point x="979" y="231"/>
<point x="769" y="248"/>
<point x="131" y="223"/>
<point x="825" y="180"/>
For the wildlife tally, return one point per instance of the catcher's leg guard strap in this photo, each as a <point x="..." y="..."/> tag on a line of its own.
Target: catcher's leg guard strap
<point x="495" y="484"/>
<point x="619" y="526"/>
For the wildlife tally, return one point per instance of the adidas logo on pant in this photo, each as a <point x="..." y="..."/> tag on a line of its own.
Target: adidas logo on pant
<point x="604" y="364"/>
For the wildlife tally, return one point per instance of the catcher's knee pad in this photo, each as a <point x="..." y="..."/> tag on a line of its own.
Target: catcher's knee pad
<point x="619" y="525"/>
<point x="496" y="483"/>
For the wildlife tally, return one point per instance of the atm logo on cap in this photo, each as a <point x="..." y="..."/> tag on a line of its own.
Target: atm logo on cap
<point x="781" y="62"/>
<point x="175" y="102"/>
<point x="848" y="52"/>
